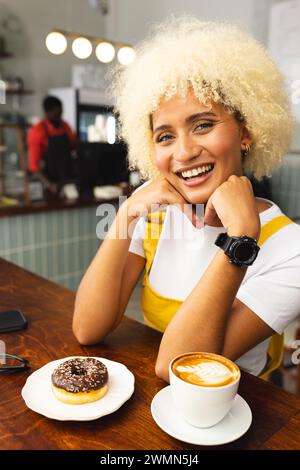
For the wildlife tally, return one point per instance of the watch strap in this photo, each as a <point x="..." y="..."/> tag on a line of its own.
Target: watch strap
<point x="225" y="242"/>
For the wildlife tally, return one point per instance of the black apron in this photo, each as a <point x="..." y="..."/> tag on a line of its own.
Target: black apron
<point x="57" y="161"/>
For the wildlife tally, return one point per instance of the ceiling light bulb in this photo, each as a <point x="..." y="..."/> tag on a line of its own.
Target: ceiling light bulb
<point x="82" y="48"/>
<point x="56" y="43"/>
<point x="105" y="52"/>
<point x="126" y="55"/>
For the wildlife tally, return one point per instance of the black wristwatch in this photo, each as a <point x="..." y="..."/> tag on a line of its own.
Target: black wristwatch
<point x="241" y="251"/>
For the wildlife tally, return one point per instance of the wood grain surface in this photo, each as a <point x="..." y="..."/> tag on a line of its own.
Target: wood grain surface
<point x="48" y="308"/>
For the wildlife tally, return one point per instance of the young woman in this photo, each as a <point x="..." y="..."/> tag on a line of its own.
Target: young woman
<point x="202" y="104"/>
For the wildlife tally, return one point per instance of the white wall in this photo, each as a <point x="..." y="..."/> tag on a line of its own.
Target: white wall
<point x="40" y="69"/>
<point x="130" y="19"/>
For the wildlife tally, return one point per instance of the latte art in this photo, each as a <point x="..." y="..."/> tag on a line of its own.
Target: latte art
<point x="208" y="373"/>
<point x="206" y="370"/>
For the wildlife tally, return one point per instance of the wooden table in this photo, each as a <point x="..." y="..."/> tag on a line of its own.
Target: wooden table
<point x="49" y="307"/>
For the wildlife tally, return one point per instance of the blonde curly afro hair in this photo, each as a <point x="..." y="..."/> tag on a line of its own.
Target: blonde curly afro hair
<point x="222" y="64"/>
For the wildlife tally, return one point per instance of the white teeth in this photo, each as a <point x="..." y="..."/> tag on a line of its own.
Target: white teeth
<point x="196" y="171"/>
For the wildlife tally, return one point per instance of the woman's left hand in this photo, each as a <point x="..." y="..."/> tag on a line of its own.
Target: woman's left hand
<point x="234" y="204"/>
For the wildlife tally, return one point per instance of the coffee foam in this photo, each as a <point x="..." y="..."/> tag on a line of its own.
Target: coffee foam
<point x="206" y="370"/>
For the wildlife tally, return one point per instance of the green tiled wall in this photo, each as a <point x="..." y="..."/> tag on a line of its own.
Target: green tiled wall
<point x="285" y="184"/>
<point x="57" y="245"/>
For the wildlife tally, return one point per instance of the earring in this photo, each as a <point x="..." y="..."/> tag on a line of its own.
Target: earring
<point x="246" y="150"/>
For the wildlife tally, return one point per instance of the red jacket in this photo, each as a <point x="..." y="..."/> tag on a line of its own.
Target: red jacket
<point x="37" y="141"/>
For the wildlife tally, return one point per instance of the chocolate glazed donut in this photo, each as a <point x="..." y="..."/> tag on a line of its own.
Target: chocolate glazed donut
<point x="79" y="380"/>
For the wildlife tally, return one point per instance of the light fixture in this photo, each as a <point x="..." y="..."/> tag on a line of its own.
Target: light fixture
<point x="82" y="47"/>
<point x="56" y="43"/>
<point x="126" y="55"/>
<point x="105" y="52"/>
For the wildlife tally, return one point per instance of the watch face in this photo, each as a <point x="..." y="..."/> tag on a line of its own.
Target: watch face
<point x="244" y="251"/>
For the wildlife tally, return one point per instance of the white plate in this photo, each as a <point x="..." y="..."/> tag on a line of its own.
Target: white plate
<point x="233" y="426"/>
<point x="38" y="396"/>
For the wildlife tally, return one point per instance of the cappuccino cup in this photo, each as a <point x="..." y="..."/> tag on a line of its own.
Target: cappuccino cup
<point x="203" y="387"/>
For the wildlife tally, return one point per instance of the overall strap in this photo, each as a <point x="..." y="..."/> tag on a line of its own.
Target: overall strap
<point x="270" y="228"/>
<point x="155" y="222"/>
<point x="154" y="226"/>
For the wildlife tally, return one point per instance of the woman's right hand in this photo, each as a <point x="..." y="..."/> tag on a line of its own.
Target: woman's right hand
<point x="148" y="199"/>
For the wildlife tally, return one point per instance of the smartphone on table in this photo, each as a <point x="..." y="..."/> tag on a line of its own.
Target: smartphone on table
<point x="12" y="320"/>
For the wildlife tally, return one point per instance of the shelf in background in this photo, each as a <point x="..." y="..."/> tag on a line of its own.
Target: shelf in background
<point x="19" y="92"/>
<point x="6" y="55"/>
<point x="15" y="174"/>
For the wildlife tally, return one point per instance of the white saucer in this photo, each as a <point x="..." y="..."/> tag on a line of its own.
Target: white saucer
<point x="233" y="426"/>
<point x="38" y="396"/>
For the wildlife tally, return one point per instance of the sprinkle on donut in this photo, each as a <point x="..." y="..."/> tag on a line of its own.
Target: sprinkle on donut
<point x="80" y="375"/>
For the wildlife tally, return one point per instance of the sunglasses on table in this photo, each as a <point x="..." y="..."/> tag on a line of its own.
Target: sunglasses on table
<point x="9" y="363"/>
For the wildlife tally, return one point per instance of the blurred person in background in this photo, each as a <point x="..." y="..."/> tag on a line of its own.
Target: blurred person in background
<point x="51" y="143"/>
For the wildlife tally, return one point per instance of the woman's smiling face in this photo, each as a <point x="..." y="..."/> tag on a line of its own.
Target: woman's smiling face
<point x="190" y="136"/>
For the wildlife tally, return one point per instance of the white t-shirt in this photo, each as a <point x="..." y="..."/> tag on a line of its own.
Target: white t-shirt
<point x="270" y="288"/>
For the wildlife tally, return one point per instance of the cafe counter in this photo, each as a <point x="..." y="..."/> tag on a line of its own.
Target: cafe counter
<point x="55" y="239"/>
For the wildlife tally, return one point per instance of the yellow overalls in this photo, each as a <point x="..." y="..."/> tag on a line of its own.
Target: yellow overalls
<point x="159" y="310"/>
